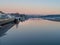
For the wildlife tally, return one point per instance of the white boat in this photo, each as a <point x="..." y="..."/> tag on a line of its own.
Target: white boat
<point x="4" y="18"/>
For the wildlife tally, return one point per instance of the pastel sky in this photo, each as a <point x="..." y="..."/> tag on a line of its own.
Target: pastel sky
<point x="31" y="6"/>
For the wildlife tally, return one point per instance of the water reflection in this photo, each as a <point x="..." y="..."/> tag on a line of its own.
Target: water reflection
<point x="31" y="31"/>
<point x="5" y="28"/>
<point x="8" y="26"/>
<point x="49" y="19"/>
<point x="56" y="19"/>
<point x="52" y="20"/>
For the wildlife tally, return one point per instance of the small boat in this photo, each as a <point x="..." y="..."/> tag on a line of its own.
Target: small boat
<point x="4" y="18"/>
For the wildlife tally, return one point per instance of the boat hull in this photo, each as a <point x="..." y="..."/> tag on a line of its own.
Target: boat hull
<point x="4" y="21"/>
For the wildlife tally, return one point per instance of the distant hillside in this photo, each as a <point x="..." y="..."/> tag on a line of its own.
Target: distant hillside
<point x="51" y="15"/>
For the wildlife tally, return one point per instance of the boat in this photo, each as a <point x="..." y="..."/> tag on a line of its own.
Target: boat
<point x="5" y="18"/>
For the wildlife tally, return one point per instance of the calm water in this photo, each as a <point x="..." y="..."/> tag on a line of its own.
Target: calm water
<point x="31" y="32"/>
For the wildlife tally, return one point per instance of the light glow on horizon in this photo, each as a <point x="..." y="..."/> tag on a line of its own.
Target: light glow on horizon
<point x="31" y="6"/>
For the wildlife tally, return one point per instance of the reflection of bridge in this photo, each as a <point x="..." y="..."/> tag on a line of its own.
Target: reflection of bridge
<point x="5" y="28"/>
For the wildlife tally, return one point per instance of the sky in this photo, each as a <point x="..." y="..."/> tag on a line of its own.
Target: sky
<point x="30" y="6"/>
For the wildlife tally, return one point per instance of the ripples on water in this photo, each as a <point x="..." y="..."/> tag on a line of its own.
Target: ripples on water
<point x="31" y="32"/>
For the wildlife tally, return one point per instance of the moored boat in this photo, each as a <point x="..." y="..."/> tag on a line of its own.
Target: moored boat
<point x="4" y="18"/>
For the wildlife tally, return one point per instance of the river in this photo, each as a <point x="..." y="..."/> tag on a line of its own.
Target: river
<point x="31" y="32"/>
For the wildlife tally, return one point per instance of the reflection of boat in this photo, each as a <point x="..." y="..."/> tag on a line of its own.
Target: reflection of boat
<point x="3" y="29"/>
<point x="6" y="27"/>
<point x="5" y="18"/>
